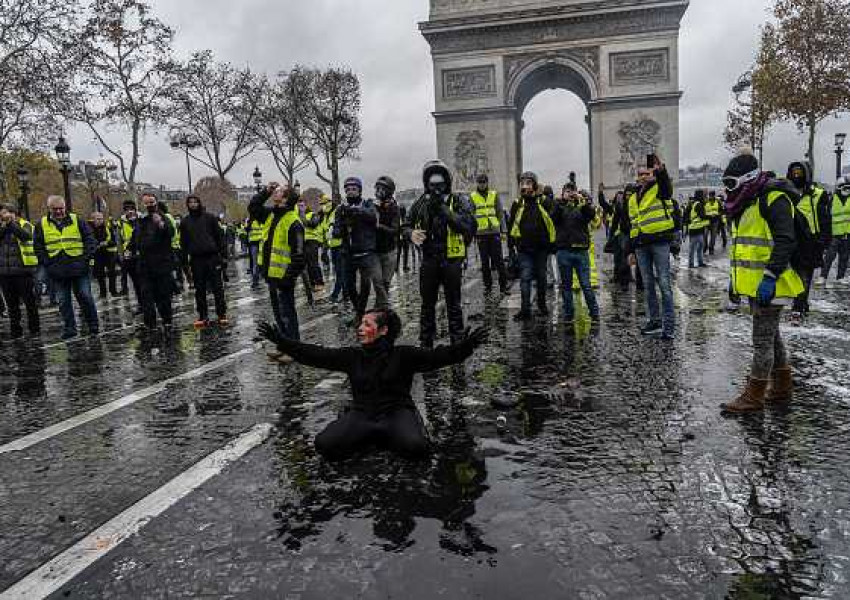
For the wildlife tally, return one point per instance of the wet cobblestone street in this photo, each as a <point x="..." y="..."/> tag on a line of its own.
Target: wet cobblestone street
<point x="612" y="475"/>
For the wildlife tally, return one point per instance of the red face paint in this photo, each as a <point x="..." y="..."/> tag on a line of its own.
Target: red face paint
<point x="368" y="331"/>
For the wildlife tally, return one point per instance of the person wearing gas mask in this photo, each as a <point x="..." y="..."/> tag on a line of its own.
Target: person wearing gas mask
<point x="839" y="228"/>
<point x="763" y="243"/>
<point x="653" y="231"/>
<point x="812" y="203"/>
<point x="533" y="234"/>
<point x="389" y="225"/>
<point x="357" y="225"/>
<point x="442" y="225"/>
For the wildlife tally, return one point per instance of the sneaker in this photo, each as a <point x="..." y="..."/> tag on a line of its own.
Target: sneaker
<point x="223" y="321"/>
<point x="284" y="359"/>
<point x="651" y="328"/>
<point x="820" y="281"/>
<point x="201" y="323"/>
<point x="795" y="318"/>
<point x="67" y="335"/>
<point x="666" y="336"/>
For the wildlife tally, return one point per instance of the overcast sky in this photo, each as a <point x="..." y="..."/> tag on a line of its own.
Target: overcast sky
<point x="380" y="41"/>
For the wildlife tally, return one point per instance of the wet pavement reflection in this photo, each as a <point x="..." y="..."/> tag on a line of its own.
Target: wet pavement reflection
<point x="568" y="461"/>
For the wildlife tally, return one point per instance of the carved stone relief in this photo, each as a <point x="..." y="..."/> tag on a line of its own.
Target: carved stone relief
<point x="638" y="138"/>
<point x="472" y="82"/>
<point x="470" y="158"/>
<point x="647" y="66"/>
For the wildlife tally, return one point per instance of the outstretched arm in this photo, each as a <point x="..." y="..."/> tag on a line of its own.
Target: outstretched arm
<point x="421" y="360"/>
<point x="332" y="359"/>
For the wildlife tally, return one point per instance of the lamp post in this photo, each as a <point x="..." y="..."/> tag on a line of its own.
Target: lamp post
<point x="258" y="178"/>
<point x="840" y="138"/>
<point x="23" y="201"/>
<point x="63" y="154"/>
<point x="180" y="139"/>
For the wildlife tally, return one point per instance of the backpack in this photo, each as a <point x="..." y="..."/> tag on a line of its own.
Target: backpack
<point x="809" y="252"/>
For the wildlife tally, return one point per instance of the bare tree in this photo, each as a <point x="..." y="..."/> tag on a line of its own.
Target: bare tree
<point x="280" y="127"/>
<point x="751" y="116"/>
<point x="218" y="104"/>
<point x="805" y="54"/>
<point x="124" y="69"/>
<point x="329" y="103"/>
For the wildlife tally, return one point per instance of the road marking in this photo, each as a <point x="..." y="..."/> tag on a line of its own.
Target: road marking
<point x="41" y="435"/>
<point x="54" y="574"/>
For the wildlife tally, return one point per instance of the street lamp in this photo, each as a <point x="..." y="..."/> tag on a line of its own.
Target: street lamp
<point x="24" y="184"/>
<point x="63" y="154"/>
<point x="180" y="139"/>
<point x="258" y="178"/>
<point x="840" y="138"/>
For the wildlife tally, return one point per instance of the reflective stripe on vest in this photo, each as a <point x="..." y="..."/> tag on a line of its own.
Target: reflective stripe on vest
<point x="651" y="215"/>
<point x="256" y="234"/>
<point x="27" y="249"/>
<point x="695" y="222"/>
<point x="516" y="232"/>
<point x="752" y="246"/>
<point x="280" y="256"/>
<point x="485" y="211"/>
<point x="69" y="240"/>
<point x="808" y="205"/>
<point x="455" y="244"/>
<point x="840" y="216"/>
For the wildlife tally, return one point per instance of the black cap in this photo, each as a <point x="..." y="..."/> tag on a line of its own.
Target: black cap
<point x="742" y="164"/>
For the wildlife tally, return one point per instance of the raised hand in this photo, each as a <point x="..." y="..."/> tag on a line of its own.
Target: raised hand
<point x="478" y="336"/>
<point x="269" y="332"/>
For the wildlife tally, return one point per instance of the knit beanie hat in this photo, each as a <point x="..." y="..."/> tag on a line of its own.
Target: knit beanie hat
<point x="744" y="162"/>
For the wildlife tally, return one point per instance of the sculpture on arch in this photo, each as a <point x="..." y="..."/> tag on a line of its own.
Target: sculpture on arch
<point x="638" y="138"/>
<point x="470" y="158"/>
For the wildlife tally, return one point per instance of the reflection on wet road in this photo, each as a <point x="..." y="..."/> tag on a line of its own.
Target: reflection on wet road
<point x="580" y="462"/>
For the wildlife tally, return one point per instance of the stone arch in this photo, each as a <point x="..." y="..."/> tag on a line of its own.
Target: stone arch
<point x="525" y="78"/>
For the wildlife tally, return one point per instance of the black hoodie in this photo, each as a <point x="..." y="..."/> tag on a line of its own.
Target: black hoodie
<point x="806" y="195"/>
<point x="200" y="234"/>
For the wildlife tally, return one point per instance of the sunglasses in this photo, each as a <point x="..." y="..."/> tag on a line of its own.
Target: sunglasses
<point x="733" y="183"/>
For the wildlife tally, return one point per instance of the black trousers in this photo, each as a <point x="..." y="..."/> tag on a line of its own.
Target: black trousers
<point x="433" y="274"/>
<point x="490" y="251"/>
<point x="314" y="267"/>
<point x="369" y="268"/>
<point x="104" y="269"/>
<point x="156" y="288"/>
<point x="128" y="271"/>
<point x="206" y="273"/>
<point x="21" y="289"/>
<point x="400" y="431"/>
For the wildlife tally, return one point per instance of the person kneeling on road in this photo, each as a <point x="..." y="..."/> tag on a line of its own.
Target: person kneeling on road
<point x="382" y="411"/>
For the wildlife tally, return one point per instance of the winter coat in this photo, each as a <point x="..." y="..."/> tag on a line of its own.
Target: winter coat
<point x="533" y="232"/>
<point x="357" y="225"/>
<point x="151" y="243"/>
<point x="780" y="219"/>
<point x="201" y="235"/>
<point x="63" y="266"/>
<point x="572" y="225"/>
<point x="432" y="215"/>
<point x="389" y="224"/>
<point x="11" y="261"/>
<point x="260" y="212"/>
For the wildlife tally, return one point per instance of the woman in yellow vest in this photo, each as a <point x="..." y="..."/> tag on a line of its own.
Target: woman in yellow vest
<point x="763" y="242"/>
<point x="17" y="268"/>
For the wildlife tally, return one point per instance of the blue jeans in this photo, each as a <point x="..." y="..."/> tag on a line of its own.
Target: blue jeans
<point x="532" y="267"/>
<point x="81" y="287"/>
<point x="697" y="243"/>
<point x="283" y="304"/>
<point x="654" y="263"/>
<point x="253" y="254"/>
<point x="578" y="260"/>
<point x="338" y="259"/>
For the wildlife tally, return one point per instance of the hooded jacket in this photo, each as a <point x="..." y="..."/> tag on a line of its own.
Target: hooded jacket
<point x="434" y="215"/>
<point x="806" y="194"/>
<point x="572" y="225"/>
<point x="151" y="243"/>
<point x="201" y="235"/>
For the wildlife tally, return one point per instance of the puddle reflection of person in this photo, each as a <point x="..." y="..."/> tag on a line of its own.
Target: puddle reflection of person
<point x="382" y="411"/>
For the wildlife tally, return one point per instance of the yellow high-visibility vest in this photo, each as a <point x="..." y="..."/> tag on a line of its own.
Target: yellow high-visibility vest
<point x="650" y="215"/>
<point x="516" y="232"/>
<point x="840" y="216"/>
<point x="280" y="256"/>
<point x="68" y="240"/>
<point x="27" y="249"/>
<point x="485" y="211"/>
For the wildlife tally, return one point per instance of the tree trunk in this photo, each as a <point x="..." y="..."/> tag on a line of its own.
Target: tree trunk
<point x="335" y="177"/>
<point x="813" y="124"/>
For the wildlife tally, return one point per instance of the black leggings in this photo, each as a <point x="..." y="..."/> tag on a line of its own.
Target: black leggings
<point x="400" y="431"/>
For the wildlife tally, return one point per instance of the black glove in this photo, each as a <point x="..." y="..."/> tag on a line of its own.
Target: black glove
<point x="270" y="332"/>
<point x="477" y="337"/>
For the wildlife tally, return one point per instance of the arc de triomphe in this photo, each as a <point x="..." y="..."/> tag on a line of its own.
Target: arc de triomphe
<point x="491" y="57"/>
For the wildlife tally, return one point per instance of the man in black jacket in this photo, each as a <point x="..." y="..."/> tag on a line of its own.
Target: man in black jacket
<point x="64" y="244"/>
<point x="202" y="241"/>
<point x="389" y="225"/>
<point x="151" y="243"/>
<point x="357" y="225"/>
<point x="442" y="224"/>
<point x="17" y="269"/>
<point x="572" y="217"/>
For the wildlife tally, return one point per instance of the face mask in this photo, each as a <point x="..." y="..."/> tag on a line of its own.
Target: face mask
<point x="381" y="193"/>
<point x="437" y="185"/>
<point x="151" y="209"/>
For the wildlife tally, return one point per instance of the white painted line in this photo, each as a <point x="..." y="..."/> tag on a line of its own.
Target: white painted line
<point x="41" y="435"/>
<point x="51" y="576"/>
<point x="105" y="409"/>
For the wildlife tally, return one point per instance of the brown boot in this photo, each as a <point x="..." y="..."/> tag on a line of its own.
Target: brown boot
<point x="750" y="400"/>
<point x="781" y="388"/>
